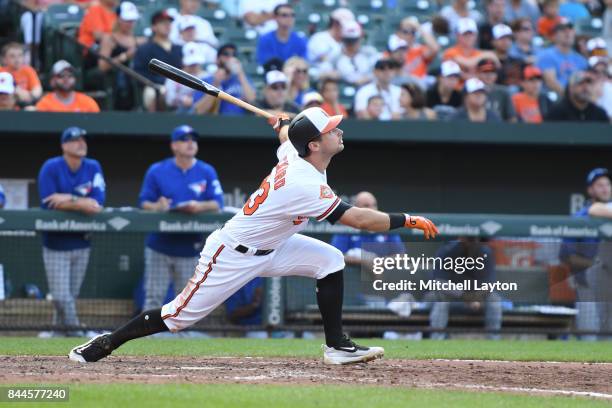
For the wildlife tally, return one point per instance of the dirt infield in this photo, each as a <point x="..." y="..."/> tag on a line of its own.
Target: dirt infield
<point x="531" y="377"/>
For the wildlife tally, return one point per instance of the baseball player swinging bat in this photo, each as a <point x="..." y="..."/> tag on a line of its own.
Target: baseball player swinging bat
<point x="184" y="78"/>
<point x="264" y="240"/>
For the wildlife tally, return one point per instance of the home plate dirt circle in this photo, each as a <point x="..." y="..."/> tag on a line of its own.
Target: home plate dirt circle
<point x="580" y="379"/>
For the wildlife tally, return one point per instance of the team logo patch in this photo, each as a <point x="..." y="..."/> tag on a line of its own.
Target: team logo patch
<point x="84" y="189"/>
<point x="326" y="192"/>
<point x="198" y="187"/>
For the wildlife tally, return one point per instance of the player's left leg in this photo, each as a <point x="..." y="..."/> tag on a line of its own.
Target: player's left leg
<point x="309" y="257"/>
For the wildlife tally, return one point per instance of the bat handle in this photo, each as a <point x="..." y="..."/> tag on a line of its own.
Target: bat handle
<point x="244" y="105"/>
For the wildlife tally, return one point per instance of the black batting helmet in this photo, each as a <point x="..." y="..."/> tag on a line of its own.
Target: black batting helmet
<point x="308" y="125"/>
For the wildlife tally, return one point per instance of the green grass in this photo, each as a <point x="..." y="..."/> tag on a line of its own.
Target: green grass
<point x="267" y="396"/>
<point x="453" y="349"/>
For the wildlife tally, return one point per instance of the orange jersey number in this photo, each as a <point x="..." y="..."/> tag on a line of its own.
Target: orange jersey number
<point x="257" y="198"/>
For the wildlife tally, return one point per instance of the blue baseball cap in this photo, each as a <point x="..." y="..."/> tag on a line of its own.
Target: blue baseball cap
<point x="72" y="133"/>
<point x="595" y="174"/>
<point x="183" y="132"/>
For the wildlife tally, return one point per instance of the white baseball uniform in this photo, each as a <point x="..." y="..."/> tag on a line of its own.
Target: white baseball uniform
<point x="293" y="192"/>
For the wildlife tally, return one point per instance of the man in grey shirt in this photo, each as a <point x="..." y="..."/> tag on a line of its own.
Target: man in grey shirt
<point x="499" y="99"/>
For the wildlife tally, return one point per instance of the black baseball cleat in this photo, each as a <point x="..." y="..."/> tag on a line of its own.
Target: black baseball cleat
<point x="347" y="352"/>
<point x="94" y="350"/>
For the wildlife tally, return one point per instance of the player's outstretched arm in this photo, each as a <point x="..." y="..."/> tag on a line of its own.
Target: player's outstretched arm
<point x="377" y="221"/>
<point x="280" y="124"/>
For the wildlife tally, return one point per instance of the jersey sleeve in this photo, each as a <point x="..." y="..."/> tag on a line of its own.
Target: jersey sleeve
<point x="98" y="191"/>
<point x="150" y="189"/>
<point x="286" y="150"/>
<point x="314" y="200"/>
<point x="215" y="191"/>
<point x="47" y="184"/>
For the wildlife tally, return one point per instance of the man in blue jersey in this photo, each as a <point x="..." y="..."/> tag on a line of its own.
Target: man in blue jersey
<point x="184" y="184"/>
<point x="70" y="182"/>
<point x="351" y="244"/>
<point x="580" y="255"/>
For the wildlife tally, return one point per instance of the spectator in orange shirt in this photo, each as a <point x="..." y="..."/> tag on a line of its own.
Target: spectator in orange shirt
<point x="64" y="98"/>
<point x="550" y="18"/>
<point x="28" y="88"/>
<point x="99" y="20"/>
<point x="330" y="93"/>
<point x="530" y="104"/>
<point x="7" y="93"/>
<point x="418" y="56"/>
<point x="465" y="52"/>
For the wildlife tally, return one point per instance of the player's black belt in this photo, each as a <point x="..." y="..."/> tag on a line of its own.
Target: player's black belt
<point x="260" y="252"/>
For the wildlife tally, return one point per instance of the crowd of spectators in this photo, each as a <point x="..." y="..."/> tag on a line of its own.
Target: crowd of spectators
<point x="513" y="61"/>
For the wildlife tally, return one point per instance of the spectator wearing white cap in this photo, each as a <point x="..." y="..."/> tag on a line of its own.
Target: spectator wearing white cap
<point x="355" y="62"/>
<point x="456" y="11"/>
<point x="188" y="31"/>
<point x="417" y="56"/>
<point x="474" y="103"/>
<point x="230" y="78"/>
<point x="259" y="14"/>
<point x="443" y="97"/>
<point x="323" y="46"/>
<point x="312" y="99"/>
<point x="203" y="30"/>
<point x="602" y="77"/>
<point x="495" y="15"/>
<point x="597" y="47"/>
<point x="120" y="46"/>
<point x="274" y="98"/>
<point x="510" y="68"/>
<point x="63" y="96"/>
<point x="180" y="97"/>
<point x="465" y="52"/>
<point x="7" y="92"/>
<point x="384" y="71"/>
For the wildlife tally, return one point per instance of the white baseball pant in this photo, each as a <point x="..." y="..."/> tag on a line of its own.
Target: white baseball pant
<point x="222" y="270"/>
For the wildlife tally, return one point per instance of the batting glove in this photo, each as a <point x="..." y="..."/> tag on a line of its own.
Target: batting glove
<point x="278" y="121"/>
<point x="423" y="224"/>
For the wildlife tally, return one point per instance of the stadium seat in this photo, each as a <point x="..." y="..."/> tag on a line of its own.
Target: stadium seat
<point x="63" y="16"/>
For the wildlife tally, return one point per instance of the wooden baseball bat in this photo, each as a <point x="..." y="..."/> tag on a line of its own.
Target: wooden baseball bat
<point x="184" y="78"/>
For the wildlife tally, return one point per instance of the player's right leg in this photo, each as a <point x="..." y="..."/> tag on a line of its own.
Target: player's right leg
<point x="305" y="256"/>
<point x="221" y="271"/>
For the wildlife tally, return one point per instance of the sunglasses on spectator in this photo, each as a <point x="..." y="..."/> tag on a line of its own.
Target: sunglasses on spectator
<point x="301" y="71"/>
<point x="228" y="54"/>
<point x="286" y="14"/>
<point x="277" y="87"/>
<point x="65" y="75"/>
<point x="412" y="32"/>
<point x="525" y="28"/>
